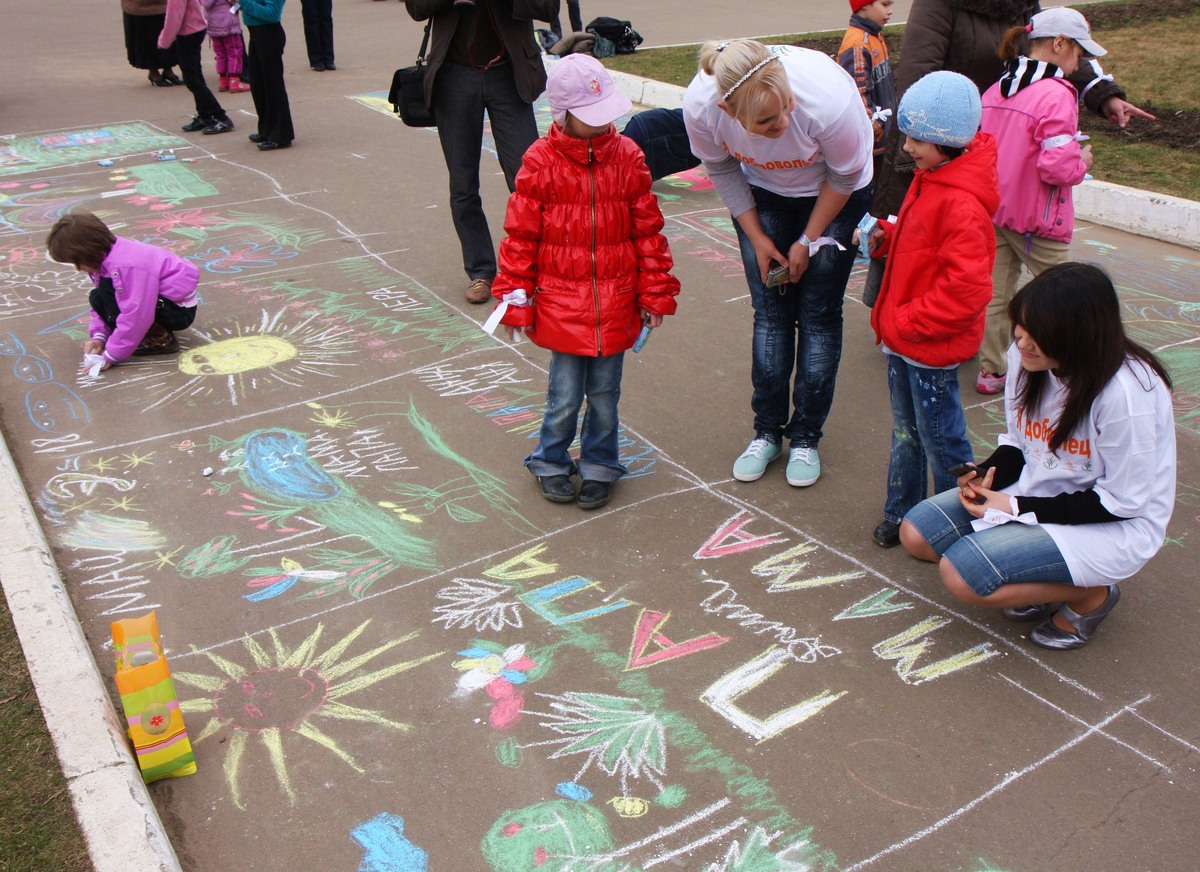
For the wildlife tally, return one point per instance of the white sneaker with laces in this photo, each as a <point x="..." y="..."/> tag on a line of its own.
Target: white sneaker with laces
<point x="804" y="467"/>
<point x="752" y="462"/>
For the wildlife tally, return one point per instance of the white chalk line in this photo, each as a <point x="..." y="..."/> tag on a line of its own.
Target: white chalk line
<point x="988" y="794"/>
<point x="1078" y="720"/>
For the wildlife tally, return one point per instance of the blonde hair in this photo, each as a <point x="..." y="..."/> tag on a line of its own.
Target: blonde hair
<point x="746" y="91"/>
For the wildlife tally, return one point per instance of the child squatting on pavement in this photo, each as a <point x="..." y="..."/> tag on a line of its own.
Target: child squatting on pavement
<point x="143" y="294"/>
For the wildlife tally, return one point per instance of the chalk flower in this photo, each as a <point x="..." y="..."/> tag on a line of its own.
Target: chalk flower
<point x="485" y="665"/>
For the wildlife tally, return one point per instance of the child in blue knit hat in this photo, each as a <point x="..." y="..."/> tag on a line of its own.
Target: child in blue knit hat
<point x="930" y="313"/>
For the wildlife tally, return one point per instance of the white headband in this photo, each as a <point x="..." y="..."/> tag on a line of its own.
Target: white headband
<point x="754" y="69"/>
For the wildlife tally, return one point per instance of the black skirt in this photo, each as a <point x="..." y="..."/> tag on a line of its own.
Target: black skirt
<point x="141" y="42"/>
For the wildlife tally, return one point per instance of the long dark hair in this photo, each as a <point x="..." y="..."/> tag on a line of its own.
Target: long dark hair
<point x="1071" y="311"/>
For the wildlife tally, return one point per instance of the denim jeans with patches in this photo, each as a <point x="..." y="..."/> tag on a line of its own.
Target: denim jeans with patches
<point x="929" y="431"/>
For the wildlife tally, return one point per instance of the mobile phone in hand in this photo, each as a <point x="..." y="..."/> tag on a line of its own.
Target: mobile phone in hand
<point x="777" y="275"/>
<point x="964" y="468"/>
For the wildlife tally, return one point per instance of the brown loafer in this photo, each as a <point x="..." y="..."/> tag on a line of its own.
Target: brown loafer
<point x="479" y="291"/>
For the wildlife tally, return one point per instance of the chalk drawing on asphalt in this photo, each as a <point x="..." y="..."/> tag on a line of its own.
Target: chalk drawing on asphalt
<point x="279" y="693"/>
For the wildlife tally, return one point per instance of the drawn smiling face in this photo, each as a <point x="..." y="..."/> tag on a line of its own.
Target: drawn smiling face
<point x="239" y="354"/>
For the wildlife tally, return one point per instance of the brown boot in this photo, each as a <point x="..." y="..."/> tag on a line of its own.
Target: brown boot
<point x="479" y="291"/>
<point x="158" y="340"/>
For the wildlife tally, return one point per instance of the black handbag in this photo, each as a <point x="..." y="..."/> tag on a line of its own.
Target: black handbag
<point x="407" y="94"/>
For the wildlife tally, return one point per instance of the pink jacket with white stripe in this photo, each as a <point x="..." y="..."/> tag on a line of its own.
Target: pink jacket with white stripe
<point x="1038" y="158"/>
<point x="184" y="17"/>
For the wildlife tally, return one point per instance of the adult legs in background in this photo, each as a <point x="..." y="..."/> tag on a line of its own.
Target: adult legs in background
<point x="928" y="430"/>
<point x="318" y="33"/>
<point x="1013" y="251"/>
<point x="207" y="107"/>
<point x="576" y="16"/>
<point x="461" y="96"/>
<point x="267" y="87"/>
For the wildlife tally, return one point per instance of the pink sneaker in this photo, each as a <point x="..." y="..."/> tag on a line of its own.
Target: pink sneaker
<point x="989" y="382"/>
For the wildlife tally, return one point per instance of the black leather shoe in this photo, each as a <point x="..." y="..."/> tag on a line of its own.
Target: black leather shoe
<point x="594" y="494"/>
<point x="1035" y="612"/>
<point x="197" y="123"/>
<point x="256" y="137"/>
<point x="170" y="78"/>
<point x="330" y="67"/>
<point x="557" y="488"/>
<point x="271" y="145"/>
<point x="318" y="68"/>
<point x="887" y="535"/>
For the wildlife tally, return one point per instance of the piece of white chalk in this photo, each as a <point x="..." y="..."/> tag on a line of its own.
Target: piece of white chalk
<point x="208" y="470"/>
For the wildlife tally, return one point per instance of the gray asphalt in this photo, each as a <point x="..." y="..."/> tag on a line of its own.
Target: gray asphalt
<point x="706" y="674"/>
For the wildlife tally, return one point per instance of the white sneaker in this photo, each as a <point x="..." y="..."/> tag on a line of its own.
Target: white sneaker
<point x="804" y="467"/>
<point x="753" y="462"/>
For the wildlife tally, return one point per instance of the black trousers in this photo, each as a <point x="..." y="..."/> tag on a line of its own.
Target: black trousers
<point x="188" y="50"/>
<point x="266" y="83"/>
<point x="173" y="317"/>
<point x="318" y="31"/>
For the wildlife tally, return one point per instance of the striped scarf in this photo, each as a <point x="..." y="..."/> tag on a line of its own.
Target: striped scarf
<point x="1022" y="72"/>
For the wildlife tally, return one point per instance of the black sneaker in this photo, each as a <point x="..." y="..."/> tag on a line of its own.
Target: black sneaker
<point x="197" y="123"/>
<point x="594" y="494"/>
<point x="220" y="125"/>
<point x="557" y="488"/>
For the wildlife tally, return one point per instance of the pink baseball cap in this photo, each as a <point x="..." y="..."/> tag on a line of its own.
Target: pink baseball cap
<point x="580" y="84"/>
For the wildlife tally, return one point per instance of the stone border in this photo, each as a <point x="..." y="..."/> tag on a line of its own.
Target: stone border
<point x="1144" y="213"/>
<point x="118" y="818"/>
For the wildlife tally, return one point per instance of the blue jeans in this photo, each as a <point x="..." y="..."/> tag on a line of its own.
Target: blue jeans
<point x="461" y="95"/>
<point x="798" y="327"/>
<point x="928" y="428"/>
<point x="1006" y="554"/>
<point x="663" y="137"/>
<point x="572" y="378"/>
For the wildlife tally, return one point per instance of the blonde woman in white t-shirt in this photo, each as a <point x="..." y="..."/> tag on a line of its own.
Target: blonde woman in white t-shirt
<point x="789" y="153"/>
<point x="1078" y="494"/>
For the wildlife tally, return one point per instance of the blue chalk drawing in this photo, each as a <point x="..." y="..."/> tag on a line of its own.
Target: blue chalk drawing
<point x="387" y="850"/>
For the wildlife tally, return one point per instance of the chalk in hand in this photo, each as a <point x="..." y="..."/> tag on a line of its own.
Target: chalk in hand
<point x="642" y="337"/>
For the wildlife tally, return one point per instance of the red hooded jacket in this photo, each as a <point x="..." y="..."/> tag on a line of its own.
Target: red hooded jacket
<point x="940" y="253"/>
<point x="585" y="236"/>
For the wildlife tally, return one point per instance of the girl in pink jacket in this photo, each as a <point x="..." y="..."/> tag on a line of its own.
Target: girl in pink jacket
<point x="225" y="31"/>
<point x="1033" y="112"/>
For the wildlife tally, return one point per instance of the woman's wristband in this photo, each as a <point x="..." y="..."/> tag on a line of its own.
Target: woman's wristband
<point x="804" y="240"/>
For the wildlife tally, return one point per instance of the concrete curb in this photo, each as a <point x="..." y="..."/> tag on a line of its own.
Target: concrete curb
<point x="113" y="806"/>
<point x="1144" y="213"/>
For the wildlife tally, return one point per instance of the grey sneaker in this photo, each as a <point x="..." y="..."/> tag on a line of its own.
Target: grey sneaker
<point x="752" y="463"/>
<point x="804" y="467"/>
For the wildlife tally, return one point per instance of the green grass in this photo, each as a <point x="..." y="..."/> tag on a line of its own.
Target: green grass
<point x="1151" y="61"/>
<point x="38" y="831"/>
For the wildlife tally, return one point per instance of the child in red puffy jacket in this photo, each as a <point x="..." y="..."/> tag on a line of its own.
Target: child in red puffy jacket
<point x="936" y="285"/>
<point x="583" y="267"/>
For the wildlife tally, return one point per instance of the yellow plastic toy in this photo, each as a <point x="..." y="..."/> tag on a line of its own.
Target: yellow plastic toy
<point x="152" y="714"/>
